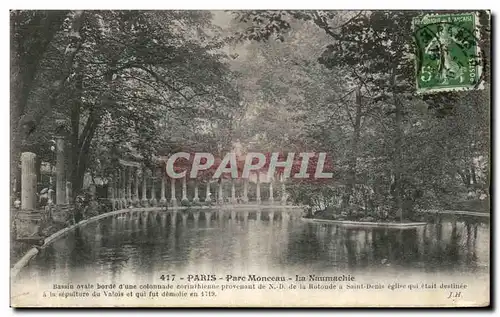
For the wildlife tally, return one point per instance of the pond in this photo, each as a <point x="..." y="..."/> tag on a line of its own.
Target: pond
<point x="142" y="246"/>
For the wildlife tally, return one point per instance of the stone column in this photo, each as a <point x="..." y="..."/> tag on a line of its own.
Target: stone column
<point x="207" y="196"/>
<point x="136" y="187"/>
<point x="129" y="186"/>
<point x="60" y="176"/>
<point x="69" y="193"/>
<point x="283" y="190"/>
<point x="184" y="189"/>
<point x="173" y="200"/>
<point x="28" y="181"/>
<point x="153" y="201"/>
<point x="123" y="189"/>
<point x="111" y="194"/>
<point x="257" y="190"/>
<point x="220" y="196"/>
<point x="144" y="199"/>
<point x="245" y="190"/>
<point x="163" y="199"/>
<point x="271" y="191"/>
<point x="233" y="191"/>
<point x="196" y="198"/>
<point x="50" y="198"/>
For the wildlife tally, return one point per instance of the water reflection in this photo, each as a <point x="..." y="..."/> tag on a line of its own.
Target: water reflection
<point x="145" y="243"/>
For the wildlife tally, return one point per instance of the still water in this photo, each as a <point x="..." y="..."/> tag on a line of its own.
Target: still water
<point x="143" y="245"/>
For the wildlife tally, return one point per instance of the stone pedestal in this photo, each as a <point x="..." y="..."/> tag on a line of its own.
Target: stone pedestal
<point x="28" y="225"/>
<point x="271" y="191"/>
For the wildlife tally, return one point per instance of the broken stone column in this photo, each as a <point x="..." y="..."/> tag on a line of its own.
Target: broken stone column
<point x="60" y="173"/>
<point x="28" y="181"/>
<point x="28" y="220"/>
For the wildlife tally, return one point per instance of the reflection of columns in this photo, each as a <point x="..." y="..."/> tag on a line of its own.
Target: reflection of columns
<point x="233" y="214"/>
<point x="271" y="216"/>
<point x="207" y="196"/>
<point x="257" y="190"/>
<point x="245" y="216"/>
<point x="173" y="218"/>
<point x="60" y="176"/>
<point x="245" y="190"/>
<point x="173" y="200"/>
<point x="196" y="217"/>
<point x="163" y="199"/>
<point x="220" y="196"/>
<point x="283" y="190"/>
<point x="233" y="191"/>
<point x="144" y="199"/>
<point x="196" y="198"/>
<point x="208" y="217"/>
<point x="153" y="200"/>
<point x="184" y="188"/>
<point x="163" y="219"/>
<point x="258" y="215"/>
<point x="184" y="218"/>
<point x="69" y="193"/>
<point x="28" y="181"/>
<point x="271" y="192"/>
<point x="136" y="187"/>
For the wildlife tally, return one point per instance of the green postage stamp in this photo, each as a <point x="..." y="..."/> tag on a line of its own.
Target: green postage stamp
<point x="448" y="56"/>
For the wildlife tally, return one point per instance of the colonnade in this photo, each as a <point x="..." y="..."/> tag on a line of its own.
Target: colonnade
<point x="123" y="189"/>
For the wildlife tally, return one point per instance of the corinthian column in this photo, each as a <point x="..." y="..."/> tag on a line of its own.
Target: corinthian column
<point x="136" y="187"/>
<point x="257" y="191"/>
<point x="184" y="189"/>
<point x="144" y="199"/>
<point x="233" y="191"/>
<point x="196" y="198"/>
<point x="163" y="199"/>
<point x="153" y="201"/>
<point x="207" y="196"/>
<point x="245" y="190"/>
<point x="173" y="200"/>
<point x="271" y="192"/>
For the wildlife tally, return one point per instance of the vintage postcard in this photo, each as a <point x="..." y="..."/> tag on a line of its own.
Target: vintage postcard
<point x="279" y="158"/>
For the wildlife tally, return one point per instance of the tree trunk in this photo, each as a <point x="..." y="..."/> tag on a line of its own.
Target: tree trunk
<point x="398" y="140"/>
<point x="353" y="155"/>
